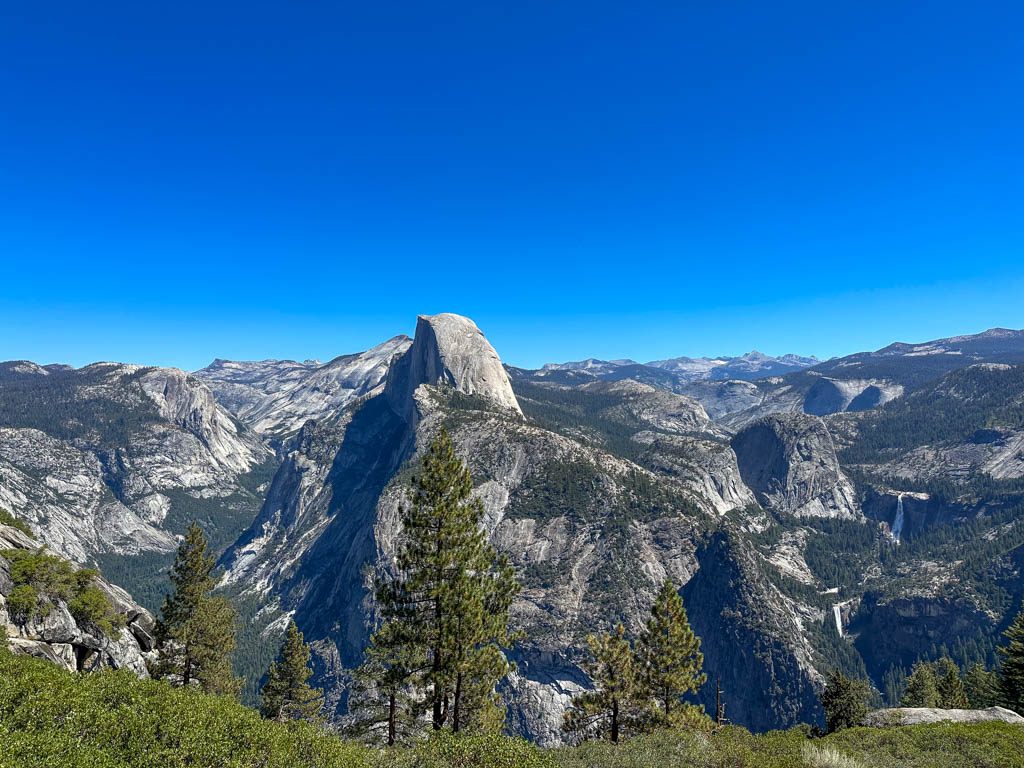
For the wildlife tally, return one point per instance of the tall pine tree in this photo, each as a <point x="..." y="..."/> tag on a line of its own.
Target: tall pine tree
<point x="196" y="630"/>
<point x="981" y="686"/>
<point x="1011" y="665"/>
<point x="383" y="697"/>
<point x="922" y="688"/>
<point x="287" y="694"/>
<point x="844" y="701"/>
<point x="612" y="706"/>
<point x="952" y="694"/>
<point x="669" y="660"/>
<point x="449" y="599"/>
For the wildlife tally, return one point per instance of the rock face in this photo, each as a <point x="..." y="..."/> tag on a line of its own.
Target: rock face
<point x="449" y="350"/>
<point x="829" y="395"/>
<point x="98" y="459"/>
<point x="60" y="639"/>
<point x="789" y="462"/>
<point x="276" y="397"/>
<point x="883" y="718"/>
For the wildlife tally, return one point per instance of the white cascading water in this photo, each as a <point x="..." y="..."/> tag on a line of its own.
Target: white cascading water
<point x="837" y="612"/>
<point x="897" y="524"/>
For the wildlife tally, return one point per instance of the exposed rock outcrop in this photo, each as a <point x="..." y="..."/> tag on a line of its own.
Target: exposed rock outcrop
<point x="789" y="462"/>
<point x="59" y="638"/>
<point x="830" y="395"/>
<point x="884" y="718"/>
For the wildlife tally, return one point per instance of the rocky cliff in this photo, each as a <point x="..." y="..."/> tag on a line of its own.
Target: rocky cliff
<point x="276" y="397"/>
<point x="599" y="481"/>
<point x="789" y="461"/>
<point x="61" y="638"/>
<point x="109" y="458"/>
<point x="448" y="350"/>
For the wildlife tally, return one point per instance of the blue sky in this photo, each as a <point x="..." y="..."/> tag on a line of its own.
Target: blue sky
<point x="186" y="181"/>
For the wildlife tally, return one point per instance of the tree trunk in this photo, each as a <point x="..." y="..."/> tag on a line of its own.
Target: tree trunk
<point x="392" y="710"/>
<point x="458" y="696"/>
<point x="438" y="713"/>
<point x="438" y="721"/>
<point x="186" y="672"/>
<point x="615" y="721"/>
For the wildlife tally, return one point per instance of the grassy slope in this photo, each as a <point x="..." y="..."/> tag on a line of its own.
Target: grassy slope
<point x="55" y="719"/>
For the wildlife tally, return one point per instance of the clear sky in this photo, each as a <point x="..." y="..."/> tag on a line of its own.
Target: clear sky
<point x="183" y="181"/>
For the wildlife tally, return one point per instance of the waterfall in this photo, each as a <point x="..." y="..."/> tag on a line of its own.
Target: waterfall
<point x="837" y="612"/>
<point x="897" y="524"/>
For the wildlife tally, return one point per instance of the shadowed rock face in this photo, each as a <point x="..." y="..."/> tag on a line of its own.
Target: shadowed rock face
<point x="751" y="639"/>
<point x="789" y="462"/>
<point x="828" y="395"/>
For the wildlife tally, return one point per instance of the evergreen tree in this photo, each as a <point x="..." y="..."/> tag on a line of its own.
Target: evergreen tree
<point x="894" y="682"/>
<point x="981" y="686"/>
<point x="196" y="631"/>
<point x="1011" y="665"/>
<point x="844" y="701"/>
<point x="668" y="659"/>
<point x="382" y="695"/>
<point x="451" y="595"/>
<point x="922" y="688"/>
<point x="952" y="694"/>
<point x="612" y="706"/>
<point x="287" y="694"/>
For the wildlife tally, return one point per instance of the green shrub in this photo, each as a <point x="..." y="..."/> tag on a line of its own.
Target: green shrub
<point x="447" y="750"/>
<point x="92" y="608"/>
<point x="23" y="604"/>
<point x="937" y="745"/>
<point x="50" y="718"/>
<point x="51" y="576"/>
<point x="6" y="518"/>
<point x="41" y="579"/>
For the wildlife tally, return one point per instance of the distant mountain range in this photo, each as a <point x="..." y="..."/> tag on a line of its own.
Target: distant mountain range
<point x="753" y="365"/>
<point x="767" y="488"/>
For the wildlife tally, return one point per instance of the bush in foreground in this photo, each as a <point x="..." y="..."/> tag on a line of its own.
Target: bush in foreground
<point x="50" y="718"/>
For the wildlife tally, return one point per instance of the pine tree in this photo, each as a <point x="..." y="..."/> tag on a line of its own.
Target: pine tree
<point x="612" y="706"/>
<point x="981" y="686"/>
<point x="844" y="701"/>
<point x="451" y="595"/>
<point x="894" y="682"/>
<point x="922" y="688"/>
<point x="949" y="685"/>
<point x="383" y="695"/>
<point x="196" y="631"/>
<point x="1011" y="665"/>
<point x="287" y="694"/>
<point x="668" y="659"/>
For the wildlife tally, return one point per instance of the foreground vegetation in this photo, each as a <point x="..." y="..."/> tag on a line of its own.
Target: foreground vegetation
<point x="50" y="718"/>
